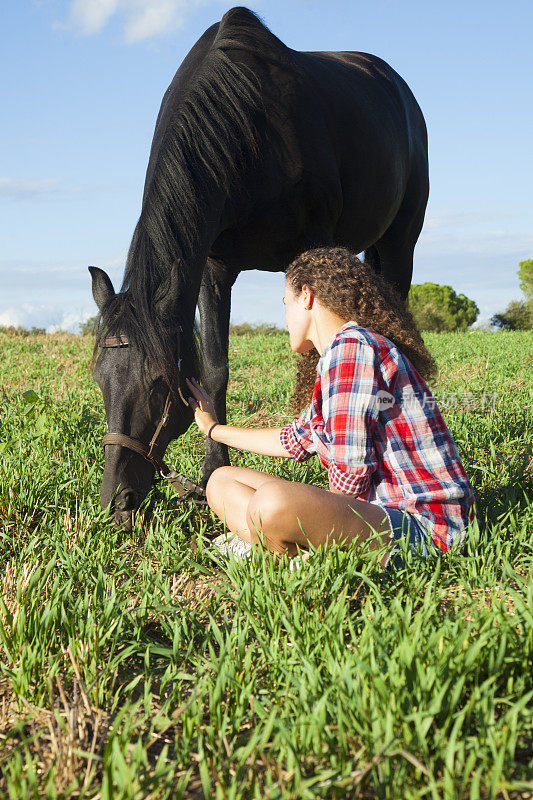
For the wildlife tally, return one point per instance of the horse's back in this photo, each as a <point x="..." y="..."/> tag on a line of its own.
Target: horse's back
<point x="366" y="84"/>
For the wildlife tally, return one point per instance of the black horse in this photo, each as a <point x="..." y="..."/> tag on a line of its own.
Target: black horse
<point x="259" y="153"/>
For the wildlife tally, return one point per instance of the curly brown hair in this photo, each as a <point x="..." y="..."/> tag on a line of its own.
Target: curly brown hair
<point x="352" y="289"/>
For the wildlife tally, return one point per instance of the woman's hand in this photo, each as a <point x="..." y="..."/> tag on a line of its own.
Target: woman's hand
<point x="201" y="403"/>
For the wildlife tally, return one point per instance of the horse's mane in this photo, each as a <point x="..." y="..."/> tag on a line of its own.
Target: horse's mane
<point x="209" y="138"/>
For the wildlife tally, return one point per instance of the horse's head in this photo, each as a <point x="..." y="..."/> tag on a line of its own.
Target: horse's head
<point x="139" y="367"/>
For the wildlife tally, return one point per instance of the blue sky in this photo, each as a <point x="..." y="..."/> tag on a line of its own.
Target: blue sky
<point x="83" y="81"/>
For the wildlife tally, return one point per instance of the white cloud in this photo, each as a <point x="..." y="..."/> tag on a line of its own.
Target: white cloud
<point x="154" y="18"/>
<point x="142" y="19"/>
<point x="70" y="322"/>
<point x="51" y="318"/>
<point x="11" y="316"/>
<point x="26" y="315"/>
<point x="22" y="188"/>
<point x="91" y="16"/>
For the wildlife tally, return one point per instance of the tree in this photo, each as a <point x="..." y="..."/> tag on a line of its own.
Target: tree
<point x="440" y="308"/>
<point x="525" y="273"/>
<point x="518" y="316"/>
<point x="89" y="327"/>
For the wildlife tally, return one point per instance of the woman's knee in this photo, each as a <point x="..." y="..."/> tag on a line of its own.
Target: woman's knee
<point x="267" y="510"/>
<point x="215" y="483"/>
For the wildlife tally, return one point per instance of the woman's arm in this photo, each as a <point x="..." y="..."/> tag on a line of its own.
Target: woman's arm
<point x="263" y="441"/>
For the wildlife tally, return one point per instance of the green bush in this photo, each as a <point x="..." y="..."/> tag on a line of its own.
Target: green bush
<point x="518" y="316"/>
<point x="245" y="327"/>
<point x="440" y="309"/>
<point x="11" y="330"/>
<point x="89" y="327"/>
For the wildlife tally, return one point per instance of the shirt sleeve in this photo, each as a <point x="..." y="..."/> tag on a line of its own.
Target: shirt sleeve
<point x="296" y="437"/>
<point x="350" y="410"/>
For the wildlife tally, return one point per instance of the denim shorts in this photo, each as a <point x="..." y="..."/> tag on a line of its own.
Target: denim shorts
<point x="406" y="526"/>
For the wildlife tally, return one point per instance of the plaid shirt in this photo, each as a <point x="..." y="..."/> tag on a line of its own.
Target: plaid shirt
<point x="376" y="428"/>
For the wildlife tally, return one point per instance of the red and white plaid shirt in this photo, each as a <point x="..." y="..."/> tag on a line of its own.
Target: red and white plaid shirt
<point x="376" y="428"/>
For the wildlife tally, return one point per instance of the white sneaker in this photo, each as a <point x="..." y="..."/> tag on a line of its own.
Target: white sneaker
<point x="297" y="561"/>
<point x="228" y="543"/>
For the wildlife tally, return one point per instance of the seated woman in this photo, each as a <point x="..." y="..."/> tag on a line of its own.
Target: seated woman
<point x="394" y="470"/>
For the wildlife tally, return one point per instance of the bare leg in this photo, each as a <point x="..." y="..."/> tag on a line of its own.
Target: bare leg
<point x="292" y="515"/>
<point x="229" y="492"/>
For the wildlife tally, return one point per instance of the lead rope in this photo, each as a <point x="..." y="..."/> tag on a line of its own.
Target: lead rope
<point x="183" y="400"/>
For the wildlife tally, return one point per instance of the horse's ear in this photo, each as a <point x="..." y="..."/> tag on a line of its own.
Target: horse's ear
<point x="166" y="297"/>
<point x="102" y="287"/>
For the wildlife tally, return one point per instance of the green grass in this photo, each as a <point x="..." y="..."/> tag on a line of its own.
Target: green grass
<point x="135" y="667"/>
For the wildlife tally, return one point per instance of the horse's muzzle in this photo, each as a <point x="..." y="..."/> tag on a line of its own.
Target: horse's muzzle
<point x="124" y="520"/>
<point x="124" y="504"/>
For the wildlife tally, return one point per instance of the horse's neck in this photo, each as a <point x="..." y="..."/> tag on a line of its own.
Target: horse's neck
<point x="189" y="247"/>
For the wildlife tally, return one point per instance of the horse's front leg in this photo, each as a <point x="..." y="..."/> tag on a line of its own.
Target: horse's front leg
<point x="214" y="303"/>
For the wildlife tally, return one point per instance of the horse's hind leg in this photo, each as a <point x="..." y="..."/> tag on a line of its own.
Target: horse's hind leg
<point x="397" y="264"/>
<point x="396" y="247"/>
<point x="372" y="259"/>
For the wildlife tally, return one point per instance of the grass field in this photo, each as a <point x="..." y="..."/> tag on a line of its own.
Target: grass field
<point x="136" y="667"/>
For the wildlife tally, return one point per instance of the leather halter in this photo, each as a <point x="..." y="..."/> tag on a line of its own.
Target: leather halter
<point x="151" y="452"/>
